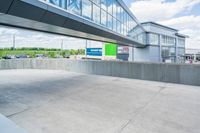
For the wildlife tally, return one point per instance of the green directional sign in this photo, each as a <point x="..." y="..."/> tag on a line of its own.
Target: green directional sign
<point x="110" y="49"/>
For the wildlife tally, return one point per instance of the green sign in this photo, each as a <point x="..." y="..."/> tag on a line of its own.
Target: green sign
<point x="110" y="49"/>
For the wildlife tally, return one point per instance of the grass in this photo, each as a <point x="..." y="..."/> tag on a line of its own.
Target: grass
<point x="32" y="52"/>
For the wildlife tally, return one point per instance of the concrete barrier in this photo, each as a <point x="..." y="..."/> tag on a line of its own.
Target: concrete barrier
<point x="172" y="73"/>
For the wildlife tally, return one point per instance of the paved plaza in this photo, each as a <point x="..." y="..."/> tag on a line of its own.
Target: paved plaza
<point x="50" y="101"/>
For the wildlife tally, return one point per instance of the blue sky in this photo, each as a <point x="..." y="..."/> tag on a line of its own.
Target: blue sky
<point x="183" y="15"/>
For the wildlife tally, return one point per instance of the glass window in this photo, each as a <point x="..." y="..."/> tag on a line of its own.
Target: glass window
<point x="141" y="38"/>
<point x="87" y="9"/>
<point x="168" y="41"/>
<point x="118" y="27"/>
<point x="132" y="24"/>
<point x="181" y="51"/>
<point x="110" y="22"/>
<point x="181" y="42"/>
<point x="97" y="2"/>
<point x="103" y="17"/>
<point x="122" y="15"/>
<point x="114" y="24"/>
<point x="125" y="30"/>
<point x="74" y="6"/>
<point x="153" y="39"/>
<point x="104" y="4"/>
<point x="122" y="29"/>
<point x="60" y="3"/>
<point x="55" y="2"/>
<point x="129" y="20"/>
<point x="110" y="6"/>
<point x="118" y="11"/>
<point x="115" y="8"/>
<point x="168" y="59"/>
<point x="96" y="14"/>
<point x="168" y="51"/>
<point x="126" y="20"/>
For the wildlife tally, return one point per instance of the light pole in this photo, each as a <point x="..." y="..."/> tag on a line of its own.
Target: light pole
<point x="62" y="44"/>
<point x="86" y="43"/>
<point x="61" y="53"/>
<point x="13" y="42"/>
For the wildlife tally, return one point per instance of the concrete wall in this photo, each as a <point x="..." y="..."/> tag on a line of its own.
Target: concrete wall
<point x="173" y="73"/>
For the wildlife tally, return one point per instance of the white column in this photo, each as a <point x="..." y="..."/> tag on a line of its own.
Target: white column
<point x="176" y="47"/>
<point x="160" y="48"/>
<point x="131" y="54"/>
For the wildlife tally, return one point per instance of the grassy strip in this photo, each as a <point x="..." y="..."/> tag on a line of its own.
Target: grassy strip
<point x="52" y="53"/>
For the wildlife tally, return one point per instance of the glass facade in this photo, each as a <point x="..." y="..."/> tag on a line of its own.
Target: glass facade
<point x="153" y="39"/>
<point x="181" y="42"/>
<point x="167" y="40"/>
<point x="168" y="51"/>
<point x="181" y="51"/>
<point x="73" y="6"/>
<point x="107" y="13"/>
<point x="168" y="54"/>
<point x="87" y="9"/>
<point x="138" y="34"/>
<point x="168" y="47"/>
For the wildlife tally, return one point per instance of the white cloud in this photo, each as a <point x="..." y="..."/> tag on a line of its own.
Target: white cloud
<point x="156" y="10"/>
<point x="184" y="22"/>
<point x="166" y="13"/>
<point x="25" y="38"/>
<point x="6" y="31"/>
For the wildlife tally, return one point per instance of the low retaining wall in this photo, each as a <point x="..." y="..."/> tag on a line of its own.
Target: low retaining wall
<point x="172" y="73"/>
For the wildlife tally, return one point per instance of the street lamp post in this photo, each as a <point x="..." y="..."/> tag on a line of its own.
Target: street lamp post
<point x="13" y="42"/>
<point x="86" y="43"/>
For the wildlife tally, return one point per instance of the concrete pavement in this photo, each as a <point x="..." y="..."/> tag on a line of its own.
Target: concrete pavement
<point x="51" y="101"/>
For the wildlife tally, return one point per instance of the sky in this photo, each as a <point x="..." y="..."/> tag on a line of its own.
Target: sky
<point x="183" y="15"/>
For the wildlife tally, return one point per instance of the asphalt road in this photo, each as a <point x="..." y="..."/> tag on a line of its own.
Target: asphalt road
<point x="45" y="101"/>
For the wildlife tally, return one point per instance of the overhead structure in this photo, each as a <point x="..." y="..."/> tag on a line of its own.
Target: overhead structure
<point x="101" y="20"/>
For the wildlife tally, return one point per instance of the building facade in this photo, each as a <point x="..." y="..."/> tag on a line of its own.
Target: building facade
<point x="163" y="44"/>
<point x="192" y="55"/>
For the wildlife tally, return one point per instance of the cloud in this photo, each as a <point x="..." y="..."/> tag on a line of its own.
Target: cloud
<point x="26" y="38"/>
<point x="7" y="31"/>
<point x="169" y="14"/>
<point x="183" y="22"/>
<point x="156" y="10"/>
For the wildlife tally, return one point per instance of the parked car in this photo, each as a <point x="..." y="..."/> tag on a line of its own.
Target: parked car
<point x="67" y="56"/>
<point x="22" y="56"/>
<point x="40" y="56"/>
<point x="8" y="57"/>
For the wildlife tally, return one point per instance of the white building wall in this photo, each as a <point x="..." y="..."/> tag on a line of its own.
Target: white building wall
<point x="147" y="54"/>
<point x="154" y="53"/>
<point x="141" y="54"/>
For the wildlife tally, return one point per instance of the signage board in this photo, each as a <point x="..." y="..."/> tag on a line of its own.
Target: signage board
<point x="123" y="50"/>
<point x="110" y="49"/>
<point x="94" y="51"/>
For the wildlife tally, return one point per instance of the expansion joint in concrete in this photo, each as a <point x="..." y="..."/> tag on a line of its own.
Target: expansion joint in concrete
<point x="140" y="110"/>
<point x="14" y="114"/>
